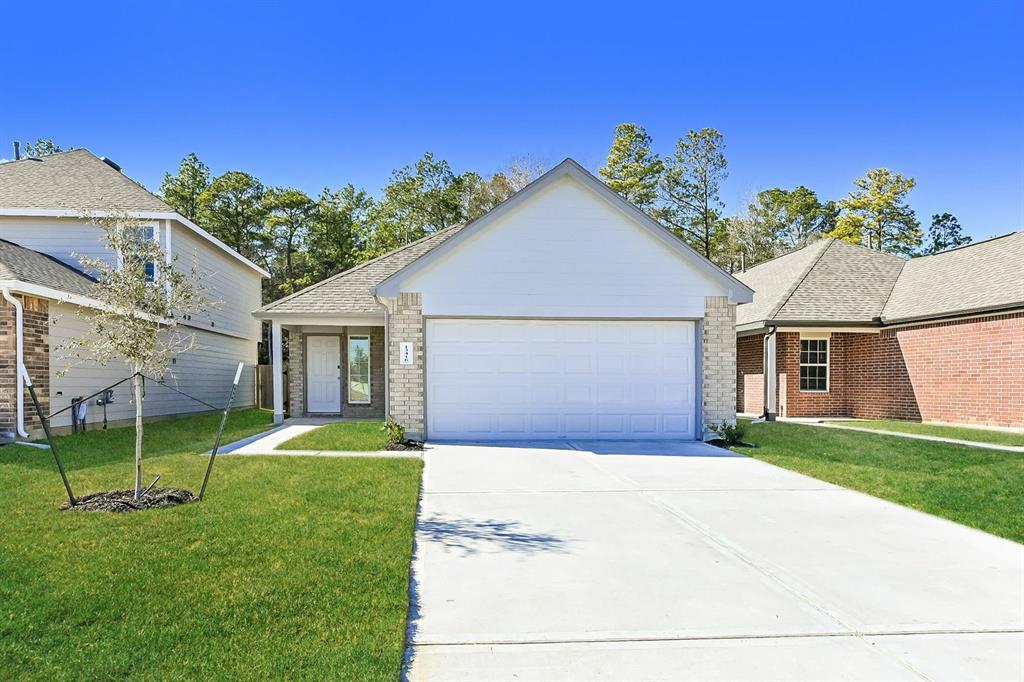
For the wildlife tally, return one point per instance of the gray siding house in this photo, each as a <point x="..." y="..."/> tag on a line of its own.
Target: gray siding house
<point x="45" y="205"/>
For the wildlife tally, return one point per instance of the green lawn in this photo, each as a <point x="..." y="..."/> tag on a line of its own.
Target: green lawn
<point x="980" y="488"/>
<point x="352" y="436"/>
<point x="293" y="567"/>
<point x="961" y="432"/>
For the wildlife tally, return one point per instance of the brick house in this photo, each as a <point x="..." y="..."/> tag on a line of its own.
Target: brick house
<point x="845" y="331"/>
<point x="565" y="312"/>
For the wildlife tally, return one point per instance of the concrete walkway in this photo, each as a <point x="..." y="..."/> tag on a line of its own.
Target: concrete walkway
<point x="267" y="442"/>
<point x="918" y="436"/>
<point x="542" y="562"/>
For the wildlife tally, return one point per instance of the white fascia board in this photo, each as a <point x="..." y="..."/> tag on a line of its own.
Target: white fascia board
<point x="325" y="320"/>
<point x="737" y="291"/>
<point x="143" y="215"/>
<point x="40" y="291"/>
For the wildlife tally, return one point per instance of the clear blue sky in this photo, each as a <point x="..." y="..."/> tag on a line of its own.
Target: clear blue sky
<point x="313" y="95"/>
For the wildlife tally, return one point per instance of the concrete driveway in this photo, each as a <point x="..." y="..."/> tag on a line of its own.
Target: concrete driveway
<point x="673" y="562"/>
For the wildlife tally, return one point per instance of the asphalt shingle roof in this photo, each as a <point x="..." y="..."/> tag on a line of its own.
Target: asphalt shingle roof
<point x="76" y="181"/>
<point x="773" y="280"/>
<point x="833" y="281"/>
<point x="847" y="283"/>
<point x="350" y="292"/>
<point x="32" y="267"/>
<point x="988" y="275"/>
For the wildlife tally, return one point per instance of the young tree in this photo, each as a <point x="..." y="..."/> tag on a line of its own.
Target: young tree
<point x="689" y="188"/>
<point x="633" y="169"/>
<point x="290" y="213"/>
<point x="945" y="233"/>
<point x="182" y="191"/>
<point x="877" y="212"/>
<point x="231" y="208"/>
<point x="141" y="300"/>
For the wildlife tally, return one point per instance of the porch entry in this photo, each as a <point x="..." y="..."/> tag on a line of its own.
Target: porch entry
<point x="323" y="374"/>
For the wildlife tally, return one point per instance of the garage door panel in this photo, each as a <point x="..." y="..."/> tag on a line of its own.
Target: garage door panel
<point x="494" y="379"/>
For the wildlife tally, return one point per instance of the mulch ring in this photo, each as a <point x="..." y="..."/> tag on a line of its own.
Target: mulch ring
<point x="123" y="500"/>
<point x="405" y="445"/>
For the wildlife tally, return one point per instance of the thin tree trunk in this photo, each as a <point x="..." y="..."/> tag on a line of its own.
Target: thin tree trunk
<point x="137" y="387"/>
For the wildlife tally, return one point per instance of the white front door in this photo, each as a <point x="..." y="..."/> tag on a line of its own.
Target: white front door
<point x="323" y="374"/>
<point x="506" y="379"/>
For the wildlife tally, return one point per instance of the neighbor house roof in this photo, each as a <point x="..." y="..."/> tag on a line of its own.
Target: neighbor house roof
<point x="979" y="277"/>
<point x="828" y="281"/>
<point x="77" y="181"/>
<point x="351" y="292"/>
<point x="834" y="282"/>
<point x="31" y="267"/>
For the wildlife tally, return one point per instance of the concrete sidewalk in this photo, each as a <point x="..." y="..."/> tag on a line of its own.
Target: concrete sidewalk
<point x="267" y="442"/>
<point x="615" y="562"/>
<point x="917" y="436"/>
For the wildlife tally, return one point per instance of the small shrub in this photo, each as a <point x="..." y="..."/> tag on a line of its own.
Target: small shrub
<point x="730" y="434"/>
<point x="395" y="431"/>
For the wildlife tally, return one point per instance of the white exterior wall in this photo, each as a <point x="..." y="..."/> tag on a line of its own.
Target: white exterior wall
<point x="206" y="371"/>
<point x="568" y="252"/>
<point x="57" y="237"/>
<point x="226" y="279"/>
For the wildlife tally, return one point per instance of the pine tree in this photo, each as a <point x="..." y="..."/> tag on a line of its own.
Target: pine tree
<point x="182" y="191"/>
<point x="876" y="214"/>
<point x="945" y="233"/>
<point x="633" y="170"/>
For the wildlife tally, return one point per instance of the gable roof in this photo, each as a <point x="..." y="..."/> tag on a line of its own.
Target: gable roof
<point x="78" y="183"/>
<point x="31" y="267"/>
<point x="978" y="277"/>
<point x="77" y="180"/>
<point x="351" y="292"/>
<point x="737" y="290"/>
<point x="833" y="282"/>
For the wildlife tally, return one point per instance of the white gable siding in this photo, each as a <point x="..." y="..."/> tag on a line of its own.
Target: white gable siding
<point x="57" y="237"/>
<point x="226" y="279"/>
<point x="567" y="252"/>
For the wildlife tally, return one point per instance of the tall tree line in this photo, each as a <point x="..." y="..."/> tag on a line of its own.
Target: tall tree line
<point x="682" y="190"/>
<point x="301" y="239"/>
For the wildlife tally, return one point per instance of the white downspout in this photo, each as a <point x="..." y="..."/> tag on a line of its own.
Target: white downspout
<point x="387" y="357"/>
<point x="19" y="345"/>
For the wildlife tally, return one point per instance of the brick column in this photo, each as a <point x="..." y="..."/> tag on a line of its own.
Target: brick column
<point x="36" y="347"/>
<point x="405" y="382"/>
<point x="719" y="360"/>
<point x="296" y="373"/>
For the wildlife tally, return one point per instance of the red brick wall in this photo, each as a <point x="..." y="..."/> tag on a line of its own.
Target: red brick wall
<point x="37" y="359"/>
<point x="962" y="371"/>
<point x="749" y="374"/>
<point x="967" y="371"/>
<point x="831" y="403"/>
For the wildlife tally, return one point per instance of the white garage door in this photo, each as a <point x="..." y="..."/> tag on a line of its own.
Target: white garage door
<point x="507" y="379"/>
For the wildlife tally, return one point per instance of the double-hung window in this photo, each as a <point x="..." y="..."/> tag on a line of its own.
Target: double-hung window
<point x="814" y="365"/>
<point x="359" y="369"/>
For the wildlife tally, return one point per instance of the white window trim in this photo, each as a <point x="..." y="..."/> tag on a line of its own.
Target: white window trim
<point x="828" y="364"/>
<point x="348" y="371"/>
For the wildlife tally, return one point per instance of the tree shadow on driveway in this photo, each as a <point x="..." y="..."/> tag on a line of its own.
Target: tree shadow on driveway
<point x="471" y="536"/>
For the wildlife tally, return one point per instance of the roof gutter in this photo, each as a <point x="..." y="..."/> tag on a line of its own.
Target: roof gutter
<point x="19" y="336"/>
